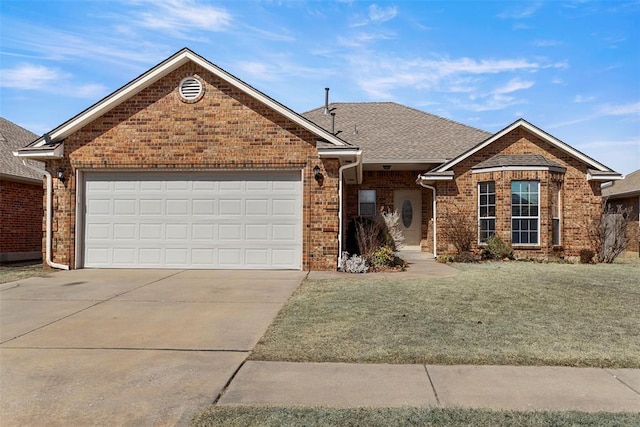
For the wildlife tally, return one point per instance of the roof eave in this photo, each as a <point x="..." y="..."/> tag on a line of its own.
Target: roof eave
<point x="43" y="153"/>
<point x="594" y="175"/>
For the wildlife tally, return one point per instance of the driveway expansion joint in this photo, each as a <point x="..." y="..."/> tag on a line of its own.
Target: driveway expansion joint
<point x="433" y="388"/>
<point x="228" y="383"/>
<point x="622" y="382"/>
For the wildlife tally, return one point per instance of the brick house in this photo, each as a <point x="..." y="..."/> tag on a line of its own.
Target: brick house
<point x="21" y="194"/>
<point x="626" y="193"/>
<point x="189" y="167"/>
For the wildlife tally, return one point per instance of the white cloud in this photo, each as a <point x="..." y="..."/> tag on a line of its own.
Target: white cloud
<point x="179" y="15"/>
<point x="382" y="14"/>
<point x="621" y="110"/>
<point x="363" y="38"/>
<point x="514" y="85"/>
<point x="48" y="80"/>
<point x="579" y="99"/>
<point x="30" y="77"/>
<point x="546" y="43"/>
<point x="521" y="12"/>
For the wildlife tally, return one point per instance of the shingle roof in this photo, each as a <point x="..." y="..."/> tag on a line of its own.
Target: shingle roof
<point x="390" y="131"/>
<point x="502" y="160"/>
<point x="13" y="137"/>
<point x="628" y="186"/>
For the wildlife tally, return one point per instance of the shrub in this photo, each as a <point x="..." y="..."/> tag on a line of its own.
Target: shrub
<point x="383" y="257"/>
<point x="497" y="249"/>
<point x="352" y="264"/>
<point x="466" y="257"/>
<point x="586" y="256"/>
<point x="607" y="230"/>
<point x="459" y="228"/>
<point x="366" y="234"/>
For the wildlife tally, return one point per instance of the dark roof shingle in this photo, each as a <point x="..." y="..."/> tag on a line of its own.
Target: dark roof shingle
<point x="390" y="131"/>
<point x="502" y="160"/>
<point x="630" y="185"/>
<point x="13" y="137"/>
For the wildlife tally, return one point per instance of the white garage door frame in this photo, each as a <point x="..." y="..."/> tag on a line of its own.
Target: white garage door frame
<point x="255" y="194"/>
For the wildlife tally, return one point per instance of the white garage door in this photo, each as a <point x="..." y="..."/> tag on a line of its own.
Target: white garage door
<point x="193" y="220"/>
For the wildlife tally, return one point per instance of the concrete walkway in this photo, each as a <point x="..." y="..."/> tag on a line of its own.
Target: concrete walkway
<point x="522" y="388"/>
<point x="421" y="265"/>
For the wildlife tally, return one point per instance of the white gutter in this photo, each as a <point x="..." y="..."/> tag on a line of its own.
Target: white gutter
<point x="50" y="263"/>
<point x="435" y="239"/>
<point x="340" y="173"/>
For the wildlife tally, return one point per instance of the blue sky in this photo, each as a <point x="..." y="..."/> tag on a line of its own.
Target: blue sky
<point x="571" y="68"/>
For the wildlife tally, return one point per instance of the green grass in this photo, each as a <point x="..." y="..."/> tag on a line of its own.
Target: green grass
<point x="512" y="313"/>
<point x="24" y="270"/>
<point x="310" y="417"/>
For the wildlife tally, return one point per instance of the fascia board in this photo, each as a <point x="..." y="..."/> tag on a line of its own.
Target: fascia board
<point x="161" y="70"/>
<point x="534" y="130"/>
<point x="41" y="153"/>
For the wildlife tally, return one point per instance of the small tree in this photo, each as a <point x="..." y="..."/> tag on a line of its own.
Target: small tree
<point x="607" y="230"/>
<point x="459" y="229"/>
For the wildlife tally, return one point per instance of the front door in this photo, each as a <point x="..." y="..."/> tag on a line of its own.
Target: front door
<point x="408" y="203"/>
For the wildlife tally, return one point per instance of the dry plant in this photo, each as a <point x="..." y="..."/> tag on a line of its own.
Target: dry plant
<point x="607" y="230"/>
<point x="392" y="219"/>
<point x="459" y="228"/>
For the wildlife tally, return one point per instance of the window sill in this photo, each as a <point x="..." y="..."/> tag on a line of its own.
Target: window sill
<point x="526" y="247"/>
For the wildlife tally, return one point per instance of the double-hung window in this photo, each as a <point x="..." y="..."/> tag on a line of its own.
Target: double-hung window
<point x="367" y="202"/>
<point x="486" y="210"/>
<point x="525" y="212"/>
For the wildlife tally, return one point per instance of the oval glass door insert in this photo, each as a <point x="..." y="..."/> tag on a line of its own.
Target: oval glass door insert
<point x="407" y="213"/>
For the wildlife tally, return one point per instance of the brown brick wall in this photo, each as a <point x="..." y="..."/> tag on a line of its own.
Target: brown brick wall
<point x="385" y="182"/>
<point x="226" y="129"/>
<point x="579" y="197"/>
<point x="21" y="213"/>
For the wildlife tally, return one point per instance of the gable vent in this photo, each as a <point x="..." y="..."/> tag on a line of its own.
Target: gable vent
<point x="190" y="89"/>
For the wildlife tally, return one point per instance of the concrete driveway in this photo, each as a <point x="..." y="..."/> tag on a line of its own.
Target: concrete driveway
<point x="129" y="347"/>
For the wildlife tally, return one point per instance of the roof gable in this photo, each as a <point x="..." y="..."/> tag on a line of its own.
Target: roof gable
<point x="591" y="163"/>
<point x="156" y="73"/>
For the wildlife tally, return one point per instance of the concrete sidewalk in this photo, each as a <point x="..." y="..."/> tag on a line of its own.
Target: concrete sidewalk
<point x="521" y="388"/>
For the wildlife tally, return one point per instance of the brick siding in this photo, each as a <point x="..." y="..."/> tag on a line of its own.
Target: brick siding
<point x="227" y="129"/>
<point x="21" y="214"/>
<point x="579" y="197"/>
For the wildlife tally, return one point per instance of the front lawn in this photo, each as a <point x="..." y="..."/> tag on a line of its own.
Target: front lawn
<point x="504" y="313"/>
<point x="24" y="270"/>
<point x="383" y="417"/>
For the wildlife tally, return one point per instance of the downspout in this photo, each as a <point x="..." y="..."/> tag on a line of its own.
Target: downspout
<point x="50" y="263"/>
<point x="435" y="239"/>
<point x="340" y="173"/>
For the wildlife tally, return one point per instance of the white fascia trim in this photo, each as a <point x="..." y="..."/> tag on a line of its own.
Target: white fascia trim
<point x="339" y="153"/>
<point x="534" y="130"/>
<point x="603" y="177"/>
<point x="520" y="168"/>
<point x="423" y="178"/>
<point x="404" y="161"/>
<point x="57" y="152"/>
<point x="162" y="70"/>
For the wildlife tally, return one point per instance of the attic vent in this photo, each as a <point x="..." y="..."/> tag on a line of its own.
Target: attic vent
<point x="190" y="89"/>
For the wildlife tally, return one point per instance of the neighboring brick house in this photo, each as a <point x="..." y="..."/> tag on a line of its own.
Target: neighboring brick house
<point x="21" y="194"/>
<point x="626" y="193"/>
<point x="189" y="167"/>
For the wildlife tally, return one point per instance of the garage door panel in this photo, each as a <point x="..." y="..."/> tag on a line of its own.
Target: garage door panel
<point x="193" y="220"/>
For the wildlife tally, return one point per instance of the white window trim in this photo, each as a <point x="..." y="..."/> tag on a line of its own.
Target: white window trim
<point x="525" y="217"/>
<point x="559" y="217"/>
<point x="480" y="218"/>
